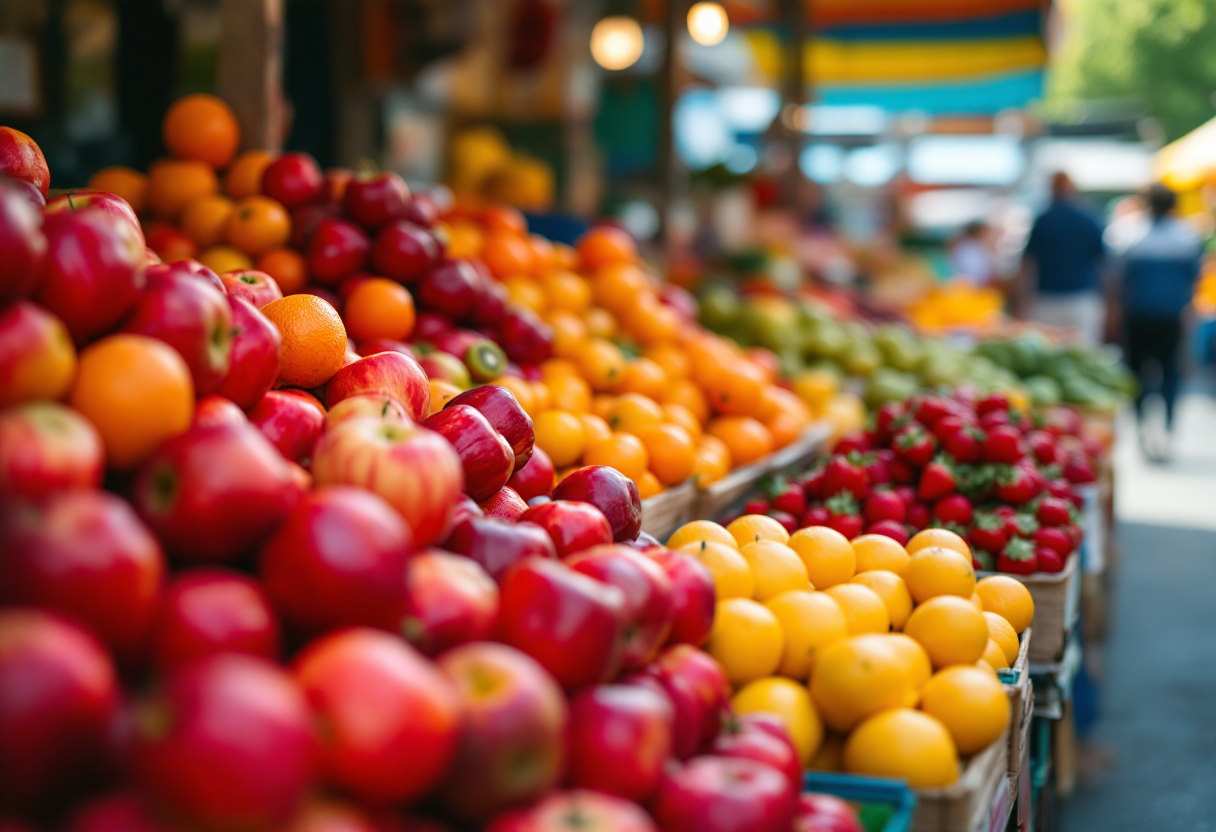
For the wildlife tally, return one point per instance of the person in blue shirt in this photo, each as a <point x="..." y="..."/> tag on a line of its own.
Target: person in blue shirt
<point x="1156" y="277"/>
<point x="1061" y="266"/>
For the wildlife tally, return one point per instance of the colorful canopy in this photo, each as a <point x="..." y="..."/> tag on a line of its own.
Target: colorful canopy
<point x="1190" y="161"/>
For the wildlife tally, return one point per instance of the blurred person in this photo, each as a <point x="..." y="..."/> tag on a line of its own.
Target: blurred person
<point x="1155" y="280"/>
<point x="1060" y="279"/>
<point x="971" y="254"/>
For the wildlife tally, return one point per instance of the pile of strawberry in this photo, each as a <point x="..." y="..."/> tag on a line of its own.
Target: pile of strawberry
<point x="1008" y="481"/>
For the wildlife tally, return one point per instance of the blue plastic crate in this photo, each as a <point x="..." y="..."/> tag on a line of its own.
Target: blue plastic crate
<point x="873" y="793"/>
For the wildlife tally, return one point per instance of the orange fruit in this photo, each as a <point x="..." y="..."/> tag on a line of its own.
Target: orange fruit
<point x="950" y="629"/>
<point x="600" y="323"/>
<point x="565" y="257"/>
<point x="701" y="531"/>
<point x="747" y="439"/>
<point x="314" y="339"/>
<point x="751" y="528"/>
<point x="809" y="621"/>
<point x="672" y="453"/>
<point x="442" y="392"/>
<point x="569" y="332"/>
<point x="595" y="427"/>
<point x="175" y="183"/>
<point x="892" y="590"/>
<point x="815" y="388"/>
<point x="524" y="291"/>
<point x="643" y="376"/>
<point x="543" y="252"/>
<point x="505" y="253"/>
<point x="913" y="656"/>
<point x="732" y="575"/>
<point x="688" y="395"/>
<point x="552" y="368"/>
<point x="600" y="362"/>
<point x="827" y="554"/>
<point x="712" y="462"/>
<point x="601" y="405"/>
<point x="605" y="245"/>
<point x="542" y="396"/>
<point x="936" y="571"/>
<point x="287" y="267"/>
<point x="994" y="656"/>
<point x="786" y="428"/>
<point x="876" y="551"/>
<point x="569" y="393"/>
<point x="505" y="219"/>
<point x="465" y="239"/>
<point x="222" y="259"/>
<point x="202" y="127"/>
<point x="681" y="416"/>
<point x="634" y="413"/>
<point x="205" y="218"/>
<point x="623" y="451"/>
<point x="971" y="703"/>
<point x="125" y="182"/>
<point x="169" y="242"/>
<point x="651" y="322"/>
<point x="44" y="373"/>
<point x="258" y="224"/>
<point x="864" y="610"/>
<point x="858" y="677"/>
<point x="906" y="745"/>
<point x="137" y="392"/>
<point x="1007" y="597"/>
<point x="1002" y="632"/>
<point x="671" y="358"/>
<point x="520" y="388"/>
<point x="566" y="290"/>
<point x="746" y="640"/>
<point x="775" y="567"/>
<point x="940" y="538"/>
<point x="976" y="602"/>
<point x="244" y="176"/>
<point x="379" y="308"/>
<point x="791" y="703"/>
<point x="736" y="390"/>
<point x="617" y="287"/>
<point x="648" y="485"/>
<point x="561" y="435"/>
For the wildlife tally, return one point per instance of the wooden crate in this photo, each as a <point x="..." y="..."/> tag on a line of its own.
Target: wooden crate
<point x="974" y="802"/>
<point x="663" y="513"/>
<point x="1021" y="704"/>
<point x="714" y="501"/>
<point x="1056" y="602"/>
<point x="800" y="452"/>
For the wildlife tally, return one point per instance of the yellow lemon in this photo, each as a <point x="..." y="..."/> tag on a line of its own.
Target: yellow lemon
<point x="994" y="656"/>
<point x="876" y="551"/>
<point x="791" y="703"/>
<point x="857" y="677"/>
<point x="1007" y="597"/>
<point x="943" y="538"/>
<point x="746" y="640"/>
<point x="809" y="621"/>
<point x="904" y="744"/>
<point x="753" y="527"/>
<point x="828" y="555"/>
<point x="936" y="571"/>
<point x="701" y="530"/>
<point x="950" y="629"/>
<point x="1001" y="631"/>
<point x="732" y="575"/>
<point x="775" y="567"/>
<point x="971" y="704"/>
<point x="892" y="590"/>
<point x="864" y="611"/>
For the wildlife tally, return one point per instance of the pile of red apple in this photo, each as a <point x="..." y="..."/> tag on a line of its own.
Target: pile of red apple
<point x="417" y="632"/>
<point x="1009" y="482"/>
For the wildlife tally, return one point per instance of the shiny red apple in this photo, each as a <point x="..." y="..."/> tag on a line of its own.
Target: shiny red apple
<point x="254" y="363"/>
<point x="37" y="356"/>
<point x="256" y="287"/>
<point x="86" y="199"/>
<point x="390" y="374"/>
<point x="620" y="740"/>
<point x="451" y="288"/>
<point x="693" y="595"/>
<point x="717" y="794"/>
<point x="21" y="158"/>
<point x="367" y="404"/>
<point x="485" y="455"/>
<point x="611" y="492"/>
<point x="504" y="504"/>
<point x="292" y="420"/>
<point x="46" y="447"/>
<point x="214" y="409"/>
<point x="441" y="365"/>
<point x="450" y="601"/>
<point x="403" y="251"/>
<point x="384" y="345"/>
<point x="207" y="611"/>
<point x="22" y="243"/>
<point x="536" y="478"/>
<point x="377" y="199"/>
<point x="573" y="526"/>
<point x="578" y="810"/>
<point x="649" y="609"/>
<point x="699" y="692"/>
<point x="825" y="813"/>
<point x="337" y="249"/>
<point x="761" y="737"/>
<point x="526" y="338"/>
<point x="293" y="179"/>
<point x="497" y="545"/>
<point x="502" y="409"/>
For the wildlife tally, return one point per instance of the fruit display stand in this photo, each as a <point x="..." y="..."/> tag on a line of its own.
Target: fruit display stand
<point x="884" y="805"/>
<point x="980" y="801"/>
<point x="716" y="499"/>
<point x="1056" y="600"/>
<point x="1021" y="703"/>
<point x="663" y="513"/>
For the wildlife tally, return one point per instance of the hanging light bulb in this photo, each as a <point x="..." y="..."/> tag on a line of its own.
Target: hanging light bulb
<point x="707" y="23"/>
<point x="617" y="42"/>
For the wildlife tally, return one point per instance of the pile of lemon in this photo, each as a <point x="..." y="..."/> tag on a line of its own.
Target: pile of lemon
<point x="880" y="659"/>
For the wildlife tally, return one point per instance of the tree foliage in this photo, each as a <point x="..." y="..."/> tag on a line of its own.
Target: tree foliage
<point x="1160" y="54"/>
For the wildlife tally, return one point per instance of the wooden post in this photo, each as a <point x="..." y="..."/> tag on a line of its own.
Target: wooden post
<point x="251" y="69"/>
<point x="673" y="23"/>
<point x="794" y="22"/>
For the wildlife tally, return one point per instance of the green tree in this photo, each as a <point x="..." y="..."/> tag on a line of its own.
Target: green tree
<point x="1158" y="54"/>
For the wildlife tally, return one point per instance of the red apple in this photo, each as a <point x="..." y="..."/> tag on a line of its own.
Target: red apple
<point x="572" y="526"/>
<point x="168" y="243"/>
<point x="427" y="325"/>
<point x="367" y="404"/>
<point x="504" y="504"/>
<point x="450" y="600"/>
<point x="207" y="611"/>
<point x="391" y="374"/>
<point x="422" y="210"/>
<point x="619" y="740"/>
<point x="447" y="367"/>
<point x="511" y="748"/>
<point x="86" y="555"/>
<point x="293" y="179"/>
<point x="721" y="794"/>
<point x="338" y="560"/>
<point x="415" y="470"/>
<point x="214" y="494"/>
<point x="403" y="251"/>
<point x="227" y="742"/>
<point x="57" y="696"/>
<point x="573" y="625"/>
<point x="499" y="405"/>
<point x="693" y="595"/>
<point x="86" y="199"/>
<point x="491" y="307"/>
<point x="825" y="813"/>
<point x="292" y="420"/>
<point x="526" y="338"/>
<point x="22" y="243"/>
<point x="306" y="218"/>
<point x="405" y="749"/>
<point x="577" y="811"/>
<point x="254" y="364"/>
<point x="21" y="158"/>
<point x="699" y="692"/>
<point x="536" y="478"/>
<point x="761" y="737"/>
<point x="497" y="545"/>
<point x="384" y="345"/>
<point x="649" y="607"/>
<point x="118" y="812"/>
<point x="485" y="455"/>
<point x="46" y="447"/>
<point x="187" y="268"/>
<point x="376" y="200"/>
<point x="192" y="317"/>
<point x="256" y="287"/>
<point x="94" y="271"/>
<point x="214" y="409"/>
<point x="451" y="288"/>
<point x="337" y="249"/>
<point x="611" y="492"/>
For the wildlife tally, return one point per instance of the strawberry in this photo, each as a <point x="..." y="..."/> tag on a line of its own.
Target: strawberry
<point x="954" y="509"/>
<point x="937" y="480"/>
<point x="845" y="474"/>
<point x="816" y="516"/>
<point x="1018" y="558"/>
<point x="915" y="446"/>
<point x="792" y="499"/>
<point x="947" y="426"/>
<point x="1074" y="534"/>
<point x="1079" y="470"/>
<point x="812" y="483"/>
<point x="990" y="532"/>
<point x="1053" y="511"/>
<point x="1015" y="486"/>
<point x="1061" y="488"/>
<point x="892" y="529"/>
<point x="884" y="505"/>
<point x="889" y="419"/>
<point x="1042" y="445"/>
<point x="852" y="443"/>
<point x="844" y="516"/>
<point x="756" y="505"/>
<point x="994" y="419"/>
<point x="1003" y="444"/>
<point x="918" y="516"/>
<point x="1005" y="512"/>
<point x="991" y="402"/>
<point x="1022" y="525"/>
<point x="1050" y="560"/>
<point x="982" y="561"/>
<point x="1055" y="539"/>
<point x="789" y="521"/>
<point x="900" y="471"/>
<point x="876" y="466"/>
<point x="906" y="493"/>
<point x="931" y="409"/>
<point x="964" y="445"/>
